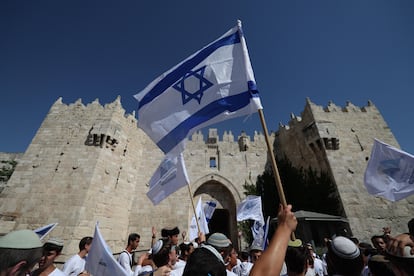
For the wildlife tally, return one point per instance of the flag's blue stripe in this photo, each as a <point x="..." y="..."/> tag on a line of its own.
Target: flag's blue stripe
<point x="208" y="112"/>
<point x="175" y="75"/>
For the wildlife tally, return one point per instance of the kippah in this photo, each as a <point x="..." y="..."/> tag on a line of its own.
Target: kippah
<point x="295" y="243"/>
<point x="55" y="241"/>
<point x="379" y="258"/>
<point x="20" y="239"/>
<point x="344" y="248"/>
<point x="406" y="253"/>
<point x="156" y="247"/>
<point x="255" y="247"/>
<point x="218" y="240"/>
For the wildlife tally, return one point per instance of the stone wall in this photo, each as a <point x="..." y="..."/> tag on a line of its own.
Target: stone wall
<point x="338" y="140"/>
<point x="91" y="163"/>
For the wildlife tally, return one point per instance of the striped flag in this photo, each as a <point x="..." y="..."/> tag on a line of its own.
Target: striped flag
<point x="214" y="84"/>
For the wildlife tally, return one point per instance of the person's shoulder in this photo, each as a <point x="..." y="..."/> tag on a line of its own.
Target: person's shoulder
<point x="73" y="258"/>
<point x="57" y="272"/>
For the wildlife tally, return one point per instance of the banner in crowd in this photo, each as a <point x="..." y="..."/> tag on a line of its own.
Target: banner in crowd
<point x="390" y="172"/>
<point x="100" y="260"/>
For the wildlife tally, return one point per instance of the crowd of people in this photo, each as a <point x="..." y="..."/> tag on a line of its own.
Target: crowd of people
<point x="23" y="253"/>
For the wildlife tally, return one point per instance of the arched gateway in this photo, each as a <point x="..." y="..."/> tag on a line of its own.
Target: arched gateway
<point x="217" y="188"/>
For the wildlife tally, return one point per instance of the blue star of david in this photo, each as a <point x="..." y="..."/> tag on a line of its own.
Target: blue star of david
<point x="192" y="85"/>
<point x="390" y="167"/>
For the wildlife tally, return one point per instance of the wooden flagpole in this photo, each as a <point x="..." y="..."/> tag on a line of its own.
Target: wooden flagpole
<point x="278" y="182"/>
<point x="194" y="210"/>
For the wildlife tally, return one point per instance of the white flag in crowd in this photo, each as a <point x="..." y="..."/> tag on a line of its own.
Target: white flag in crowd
<point x="202" y="222"/>
<point x="100" y="260"/>
<point x="170" y="176"/>
<point x="250" y="208"/>
<point x="209" y="208"/>
<point x="390" y="172"/>
<point x="44" y="230"/>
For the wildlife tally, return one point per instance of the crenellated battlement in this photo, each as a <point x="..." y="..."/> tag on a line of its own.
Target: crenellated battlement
<point x="313" y="108"/>
<point x="93" y="107"/>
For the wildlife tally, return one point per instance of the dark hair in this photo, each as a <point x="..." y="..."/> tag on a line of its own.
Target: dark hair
<point x="84" y="241"/>
<point x="378" y="265"/>
<point x="162" y="257"/>
<point x="132" y="237"/>
<point x="52" y="247"/>
<point x="202" y="262"/>
<point x="244" y="256"/>
<point x="411" y="227"/>
<point x="11" y="257"/>
<point x="185" y="249"/>
<point x="296" y="259"/>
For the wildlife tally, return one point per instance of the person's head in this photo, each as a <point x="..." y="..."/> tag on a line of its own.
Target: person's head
<point x="171" y="233"/>
<point x="133" y="241"/>
<point x="232" y="257"/>
<point x="205" y="260"/>
<point x="411" y="228"/>
<point x="255" y="253"/>
<point x="221" y="243"/>
<point x="162" y="252"/>
<point x="186" y="248"/>
<point x="20" y="250"/>
<point x="296" y="259"/>
<point x="85" y="244"/>
<point x="380" y="266"/>
<point x="343" y="257"/>
<point x="244" y="256"/>
<point x="402" y="265"/>
<point x="379" y="242"/>
<point x="51" y="250"/>
<point x="366" y="251"/>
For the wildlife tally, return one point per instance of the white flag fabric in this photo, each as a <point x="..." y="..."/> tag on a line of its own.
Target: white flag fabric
<point x="170" y="176"/>
<point x="209" y="208"/>
<point x="214" y="84"/>
<point x="193" y="231"/>
<point x="100" y="260"/>
<point x="258" y="233"/>
<point x="250" y="208"/>
<point x="44" y="230"/>
<point x="390" y="172"/>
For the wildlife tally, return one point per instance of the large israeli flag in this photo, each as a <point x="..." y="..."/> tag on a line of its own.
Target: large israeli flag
<point x="390" y="172"/>
<point x="214" y="84"/>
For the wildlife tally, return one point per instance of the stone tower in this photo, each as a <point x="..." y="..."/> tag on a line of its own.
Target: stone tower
<point x="338" y="140"/>
<point x="90" y="163"/>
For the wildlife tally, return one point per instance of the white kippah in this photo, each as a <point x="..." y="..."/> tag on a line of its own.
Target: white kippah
<point x="344" y="248"/>
<point x="156" y="247"/>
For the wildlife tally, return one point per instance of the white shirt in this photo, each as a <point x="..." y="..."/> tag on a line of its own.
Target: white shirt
<point x="243" y="269"/>
<point x="57" y="272"/>
<point x="125" y="260"/>
<point x="74" y="266"/>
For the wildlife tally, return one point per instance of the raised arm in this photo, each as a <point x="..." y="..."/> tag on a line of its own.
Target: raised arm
<point x="271" y="261"/>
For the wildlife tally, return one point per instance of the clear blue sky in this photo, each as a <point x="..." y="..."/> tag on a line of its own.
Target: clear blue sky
<point x="327" y="50"/>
